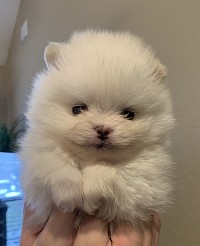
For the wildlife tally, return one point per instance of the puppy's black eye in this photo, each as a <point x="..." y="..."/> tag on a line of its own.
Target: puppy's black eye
<point x="77" y="109"/>
<point x="128" y="114"/>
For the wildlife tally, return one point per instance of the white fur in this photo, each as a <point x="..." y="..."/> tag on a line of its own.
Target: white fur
<point x="108" y="72"/>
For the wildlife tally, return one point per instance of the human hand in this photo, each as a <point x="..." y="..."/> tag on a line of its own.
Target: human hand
<point x="92" y="232"/>
<point x="58" y="230"/>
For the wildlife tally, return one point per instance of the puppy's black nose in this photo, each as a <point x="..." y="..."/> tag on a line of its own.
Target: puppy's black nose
<point x="102" y="133"/>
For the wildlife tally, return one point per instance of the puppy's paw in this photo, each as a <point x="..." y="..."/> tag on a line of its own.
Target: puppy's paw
<point x="97" y="187"/>
<point x="108" y="210"/>
<point x="92" y="200"/>
<point x="66" y="190"/>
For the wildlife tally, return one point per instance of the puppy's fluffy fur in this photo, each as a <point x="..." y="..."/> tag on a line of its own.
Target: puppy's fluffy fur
<point x="125" y="176"/>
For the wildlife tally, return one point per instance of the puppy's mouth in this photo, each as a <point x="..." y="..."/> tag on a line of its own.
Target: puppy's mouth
<point x="103" y="145"/>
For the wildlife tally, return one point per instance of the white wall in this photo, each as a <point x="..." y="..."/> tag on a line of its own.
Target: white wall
<point x="2" y="95"/>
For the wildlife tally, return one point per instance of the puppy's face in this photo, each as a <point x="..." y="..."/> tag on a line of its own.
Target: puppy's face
<point x="98" y="102"/>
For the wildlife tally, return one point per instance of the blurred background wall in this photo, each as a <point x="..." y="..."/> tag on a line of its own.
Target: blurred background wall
<point x="2" y="95"/>
<point x="172" y="28"/>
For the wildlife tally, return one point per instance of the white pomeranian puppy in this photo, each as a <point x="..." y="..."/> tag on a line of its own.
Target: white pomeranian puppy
<point x="98" y="120"/>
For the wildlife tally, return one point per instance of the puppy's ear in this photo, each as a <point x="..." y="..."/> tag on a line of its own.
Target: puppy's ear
<point x="52" y="54"/>
<point x="160" y="71"/>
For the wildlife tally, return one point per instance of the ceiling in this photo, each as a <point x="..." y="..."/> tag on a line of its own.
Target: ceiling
<point x="8" y="14"/>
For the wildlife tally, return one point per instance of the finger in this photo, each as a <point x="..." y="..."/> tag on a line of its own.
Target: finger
<point x="155" y="229"/>
<point x="152" y="231"/>
<point x="59" y="229"/>
<point x="109" y="243"/>
<point x="92" y="232"/>
<point x="127" y="236"/>
<point x="148" y="237"/>
<point x="27" y="235"/>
